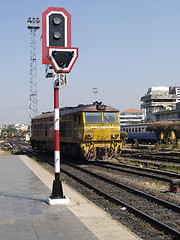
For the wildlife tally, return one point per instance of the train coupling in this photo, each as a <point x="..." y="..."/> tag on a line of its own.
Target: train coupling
<point x="174" y="185"/>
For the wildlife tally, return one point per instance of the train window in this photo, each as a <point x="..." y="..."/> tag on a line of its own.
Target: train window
<point x="110" y="117"/>
<point x="135" y="129"/>
<point x="93" y="117"/>
<point x="129" y="129"/>
<point x="77" y="118"/>
<point x="132" y="129"/>
<point x="139" y="129"/>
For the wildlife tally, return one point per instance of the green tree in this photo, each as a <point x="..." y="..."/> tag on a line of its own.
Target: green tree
<point x="123" y="135"/>
<point x="161" y="127"/>
<point x="155" y="127"/>
<point x="9" y="129"/>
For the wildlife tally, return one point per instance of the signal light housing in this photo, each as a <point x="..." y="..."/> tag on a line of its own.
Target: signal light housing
<point x="56" y="30"/>
<point x="56" y="40"/>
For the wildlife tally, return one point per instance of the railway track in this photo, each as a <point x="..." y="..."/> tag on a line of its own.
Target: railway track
<point x="16" y="146"/>
<point x="150" y="173"/>
<point x="151" y="162"/>
<point x="162" y="214"/>
<point x="163" y="157"/>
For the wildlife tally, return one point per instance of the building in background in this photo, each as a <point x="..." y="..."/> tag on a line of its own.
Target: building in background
<point x="159" y="99"/>
<point x="175" y="90"/>
<point x="22" y="127"/>
<point x="19" y="126"/>
<point x="168" y="115"/>
<point x="131" y="116"/>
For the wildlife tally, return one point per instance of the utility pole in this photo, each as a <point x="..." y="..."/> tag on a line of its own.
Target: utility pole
<point x="33" y="26"/>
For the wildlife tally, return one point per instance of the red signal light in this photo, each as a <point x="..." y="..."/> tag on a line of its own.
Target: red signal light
<point x="57" y="35"/>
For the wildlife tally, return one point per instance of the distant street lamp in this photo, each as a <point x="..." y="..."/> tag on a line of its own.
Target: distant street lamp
<point x="95" y="91"/>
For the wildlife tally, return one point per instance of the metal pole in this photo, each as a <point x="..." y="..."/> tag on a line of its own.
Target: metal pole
<point x="57" y="196"/>
<point x="33" y="26"/>
<point x="95" y="91"/>
<point x="57" y="191"/>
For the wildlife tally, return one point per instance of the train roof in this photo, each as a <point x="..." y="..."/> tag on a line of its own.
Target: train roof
<point x="95" y="107"/>
<point x="134" y="125"/>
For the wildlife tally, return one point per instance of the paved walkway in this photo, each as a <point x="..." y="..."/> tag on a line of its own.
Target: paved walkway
<point x="24" y="213"/>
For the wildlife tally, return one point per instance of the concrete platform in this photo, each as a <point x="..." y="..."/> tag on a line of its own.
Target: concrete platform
<point x="24" y="187"/>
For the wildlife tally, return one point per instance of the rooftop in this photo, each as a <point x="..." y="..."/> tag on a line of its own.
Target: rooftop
<point x="132" y="110"/>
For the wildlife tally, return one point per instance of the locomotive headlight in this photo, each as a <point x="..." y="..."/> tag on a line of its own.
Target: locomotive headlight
<point x="90" y="136"/>
<point x="115" y="135"/>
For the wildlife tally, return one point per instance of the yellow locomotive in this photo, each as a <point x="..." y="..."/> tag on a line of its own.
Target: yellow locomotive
<point x="4" y="134"/>
<point x="89" y="130"/>
<point x="11" y="134"/>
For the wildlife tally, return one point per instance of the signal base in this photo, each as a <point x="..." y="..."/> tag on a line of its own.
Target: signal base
<point x="58" y="201"/>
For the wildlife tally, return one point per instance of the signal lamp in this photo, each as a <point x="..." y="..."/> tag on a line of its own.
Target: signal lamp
<point x="57" y="20"/>
<point x="57" y="35"/>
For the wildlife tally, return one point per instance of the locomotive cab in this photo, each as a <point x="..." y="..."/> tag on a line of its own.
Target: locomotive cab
<point x="101" y="137"/>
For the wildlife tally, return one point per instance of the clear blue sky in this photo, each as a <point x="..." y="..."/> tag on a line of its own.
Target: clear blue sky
<point x="125" y="47"/>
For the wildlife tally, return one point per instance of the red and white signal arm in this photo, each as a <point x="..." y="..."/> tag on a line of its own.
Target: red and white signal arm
<point x="62" y="59"/>
<point x="49" y="13"/>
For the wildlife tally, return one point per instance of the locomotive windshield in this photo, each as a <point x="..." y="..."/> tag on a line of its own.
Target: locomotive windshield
<point x="93" y="117"/>
<point x="96" y="117"/>
<point x="110" y="117"/>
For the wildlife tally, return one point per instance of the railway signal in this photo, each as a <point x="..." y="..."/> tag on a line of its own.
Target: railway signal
<point x="56" y="40"/>
<point x="56" y="30"/>
<point x="57" y="51"/>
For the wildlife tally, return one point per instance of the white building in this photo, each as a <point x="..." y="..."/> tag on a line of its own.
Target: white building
<point x="131" y="116"/>
<point x="21" y="126"/>
<point x="157" y="99"/>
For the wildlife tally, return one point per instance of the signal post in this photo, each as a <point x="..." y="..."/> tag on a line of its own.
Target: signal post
<point x="58" y="54"/>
